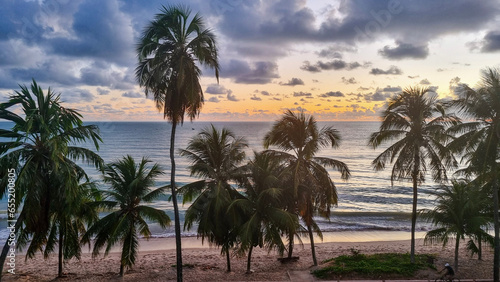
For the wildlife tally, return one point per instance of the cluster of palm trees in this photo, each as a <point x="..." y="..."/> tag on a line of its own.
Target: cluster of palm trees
<point x="428" y="136"/>
<point x="279" y="186"/>
<point x="57" y="204"/>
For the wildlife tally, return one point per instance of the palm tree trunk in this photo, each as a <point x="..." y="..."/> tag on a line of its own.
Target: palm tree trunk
<point x="457" y="245"/>
<point x="311" y="237"/>
<point x="174" y="202"/>
<point x="228" y="260"/>
<point x="121" y="269"/>
<point x="480" y="247"/>
<point x="60" y="255"/>
<point x="249" y="259"/>
<point x="290" y="244"/>
<point x="414" y="204"/>
<point x="496" y="258"/>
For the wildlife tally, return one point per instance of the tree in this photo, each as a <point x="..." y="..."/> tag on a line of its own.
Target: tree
<point x="168" y="51"/>
<point x="417" y="123"/>
<point x="130" y="185"/>
<point x="458" y="213"/>
<point x="215" y="156"/>
<point x="480" y="139"/>
<point x="265" y="220"/>
<point x="312" y="189"/>
<point x="42" y="148"/>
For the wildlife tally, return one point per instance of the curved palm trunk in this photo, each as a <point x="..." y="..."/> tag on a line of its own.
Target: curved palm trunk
<point x="457" y="245"/>
<point x="61" y="250"/>
<point x="414" y="205"/>
<point x="311" y="237"/>
<point x="176" y="207"/>
<point x="249" y="259"/>
<point x="228" y="260"/>
<point x="496" y="258"/>
<point x="290" y="243"/>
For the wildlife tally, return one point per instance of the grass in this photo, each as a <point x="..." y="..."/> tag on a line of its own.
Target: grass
<point x="378" y="265"/>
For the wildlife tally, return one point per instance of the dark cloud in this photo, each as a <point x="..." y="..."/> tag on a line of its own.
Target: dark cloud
<point x="132" y="94"/>
<point x="332" y="94"/>
<point x="213" y="100"/>
<point x="254" y="73"/>
<point x="77" y="96"/>
<point x="102" y="91"/>
<point x="331" y="53"/>
<point x="292" y="82"/>
<point x="424" y="82"/>
<point x="216" y="89"/>
<point x="404" y="51"/>
<point x="332" y="65"/>
<point x="393" y="70"/>
<point x="265" y="93"/>
<point x="302" y="94"/>
<point x="490" y="43"/>
<point x="231" y="96"/>
<point x="255" y="98"/>
<point x="351" y="80"/>
<point x="389" y="88"/>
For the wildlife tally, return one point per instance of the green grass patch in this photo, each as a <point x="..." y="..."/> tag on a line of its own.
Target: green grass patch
<point x="388" y="265"/>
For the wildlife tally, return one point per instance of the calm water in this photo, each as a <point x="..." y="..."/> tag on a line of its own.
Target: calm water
<point x="367" y="202"/>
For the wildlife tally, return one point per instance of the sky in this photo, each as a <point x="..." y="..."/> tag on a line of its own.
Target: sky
<point x="336" y="60"/>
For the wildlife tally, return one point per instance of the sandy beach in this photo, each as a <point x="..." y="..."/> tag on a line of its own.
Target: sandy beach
<point x="157" y="256"/>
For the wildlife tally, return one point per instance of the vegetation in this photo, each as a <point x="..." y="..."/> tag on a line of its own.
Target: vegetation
<point x="265" y="221"/>
<point x="41" y="147"/>
<point x="377" y="265"/>
<point x="130" y="186"/>
<point x="168" y="51"/>
<point x="459" y="212"/>
<point x="479" y="140"/>
<point x="417" y="122"/>
<point x="215" y="156"/>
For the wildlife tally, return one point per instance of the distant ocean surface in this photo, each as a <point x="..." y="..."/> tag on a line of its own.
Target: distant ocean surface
<point x="367" y="202"/>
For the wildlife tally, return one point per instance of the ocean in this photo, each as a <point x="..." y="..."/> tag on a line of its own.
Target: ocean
<point x="367" y="202"/>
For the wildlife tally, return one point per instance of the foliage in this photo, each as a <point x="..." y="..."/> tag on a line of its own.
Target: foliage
<point x="215" y="156"/>
<point x="130" y="185"/>
<point x="42" y="148"/>
<point x="376" y="265"/>
<point x="312" y="189"/>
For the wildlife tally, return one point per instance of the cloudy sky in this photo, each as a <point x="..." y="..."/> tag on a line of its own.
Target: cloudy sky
<point x="338" y="60"/>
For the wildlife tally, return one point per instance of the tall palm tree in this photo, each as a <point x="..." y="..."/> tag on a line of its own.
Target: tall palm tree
<point x="312" y="189"/>
<point x="215" y="156"/>
<point x="168" y="51"/>
<point x="131" y="184"/>
<point x="41" y="147"/>
<point x="416" y="122"/>
<point x="480" y="139"/>
<point x="265" y="220"/>
<point x="458" y="213"/>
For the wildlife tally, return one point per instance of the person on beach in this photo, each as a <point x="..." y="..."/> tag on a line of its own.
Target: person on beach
<point x="450" y="273"/>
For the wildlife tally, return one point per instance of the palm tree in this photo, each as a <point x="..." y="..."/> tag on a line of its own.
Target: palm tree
<point x="42" y="148"/>
<point x="168" y="51"/>
<point x="480" y="139"/>
<point x="265" y="220"/>
<point x="417" y="123"/>
<point x="313" y="190"/>
<point x="458" y="213"/>
<point x="131" y="184"/>
<point x="215" y="156"/>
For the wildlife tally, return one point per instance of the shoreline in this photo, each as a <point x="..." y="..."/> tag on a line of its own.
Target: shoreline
<point x="157" y="256"/>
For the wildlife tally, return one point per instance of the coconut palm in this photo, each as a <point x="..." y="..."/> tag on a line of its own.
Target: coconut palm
<point x="312" y="189"/>
<point x="215" y="156"/>
<point x="480" y="139"/>
<point x="42" y="146"/>
<point x="458" y="213"/>
<point x="130" y="186"/>
<point x="265" y="220"/>
<point x="416" y="122"/>
<point x="168" y="51"/>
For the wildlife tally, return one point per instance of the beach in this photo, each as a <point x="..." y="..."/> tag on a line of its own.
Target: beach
<point x="204" y="263"/>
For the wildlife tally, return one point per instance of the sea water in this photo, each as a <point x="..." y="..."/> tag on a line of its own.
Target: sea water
<point x="368" y="201"/>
